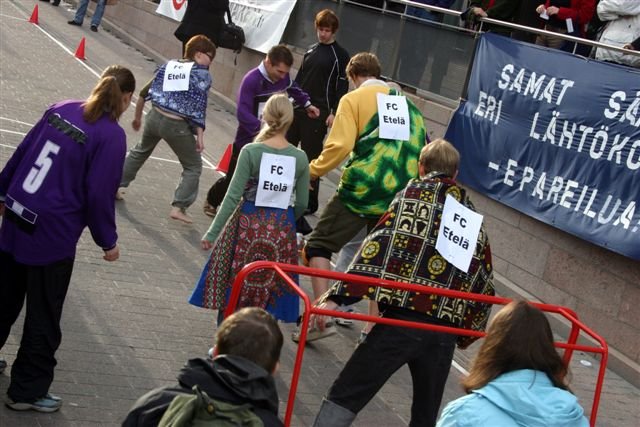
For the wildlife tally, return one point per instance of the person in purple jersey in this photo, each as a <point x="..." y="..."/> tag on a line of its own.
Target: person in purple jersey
<point x="62" y="178"/>
<point x="271" y="76"/>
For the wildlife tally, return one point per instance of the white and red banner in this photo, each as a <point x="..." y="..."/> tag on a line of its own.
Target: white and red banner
<point x="174" y="9"/>
<point x="263" y="21"/>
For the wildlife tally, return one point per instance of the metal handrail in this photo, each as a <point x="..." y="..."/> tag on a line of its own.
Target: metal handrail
<point x="560" y="35"/>
<point x="518" y="27"/>
<point x="283" y="269"/>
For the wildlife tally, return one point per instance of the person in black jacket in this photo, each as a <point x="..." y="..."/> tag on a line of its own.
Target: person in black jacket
<point x="245" y="358"/>
<point x="202" y="17"/>
<point x="322" y="75"/>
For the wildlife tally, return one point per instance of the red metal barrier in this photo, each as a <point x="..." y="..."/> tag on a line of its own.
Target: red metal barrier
<point x="283" y="271"/>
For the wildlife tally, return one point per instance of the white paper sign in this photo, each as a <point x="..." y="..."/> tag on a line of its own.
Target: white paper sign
<point x="275" y="184"/>
<point x="261" y="109"/>
<point x="393" y="115"/>
<point x="458" y="233"/>
<point x="569" y="25"/>
<point x="176" y="76"/>
<point x="544" y="15"/>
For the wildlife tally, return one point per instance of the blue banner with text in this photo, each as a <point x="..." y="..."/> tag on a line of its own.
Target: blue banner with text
<point x="555" y="136"/>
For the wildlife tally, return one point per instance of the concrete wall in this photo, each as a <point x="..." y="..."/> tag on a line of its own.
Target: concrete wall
<point x="549" y="264"/>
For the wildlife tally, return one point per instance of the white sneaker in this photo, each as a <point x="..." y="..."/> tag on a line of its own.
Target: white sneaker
<point x="341" y="320"/>
<point x="314" y="333"/>
<point x="361" y="338"/>
<point x="48" y="403"/>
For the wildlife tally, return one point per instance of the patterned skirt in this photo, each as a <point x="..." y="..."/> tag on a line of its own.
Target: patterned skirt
<point x="252" y="234"/>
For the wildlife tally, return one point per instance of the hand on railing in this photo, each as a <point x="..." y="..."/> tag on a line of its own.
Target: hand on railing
<point x="478" y="11"/>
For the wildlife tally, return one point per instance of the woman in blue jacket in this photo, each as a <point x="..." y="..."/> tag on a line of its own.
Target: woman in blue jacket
<point x="517" y="379"/>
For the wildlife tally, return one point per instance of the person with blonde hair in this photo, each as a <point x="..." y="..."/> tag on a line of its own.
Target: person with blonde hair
<point x="517" y="378"/>
<point x="61" y="179"/>
<point x="256" y="221"/>
<point x="271" y="76"/>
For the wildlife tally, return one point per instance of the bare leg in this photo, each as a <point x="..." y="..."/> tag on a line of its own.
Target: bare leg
<point x="320" y="285"/>
<point x="373" y="311"/>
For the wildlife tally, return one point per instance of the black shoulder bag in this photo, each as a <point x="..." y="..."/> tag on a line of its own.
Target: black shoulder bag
<point x="232" y="35"/>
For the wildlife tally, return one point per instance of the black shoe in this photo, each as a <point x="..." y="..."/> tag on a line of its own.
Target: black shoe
<point x="55" y="3"/>
<point x="45" y="1"/>
<point x="72" y="22"/>
<point x="94" y="28"/>
<point x="3" y="365"/>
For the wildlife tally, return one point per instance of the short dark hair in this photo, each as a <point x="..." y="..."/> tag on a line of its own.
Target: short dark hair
<point x="363" y="64"/>
<point x="280" y="54"/>
<point x="519" y="337"/>
<point x="327" y="18"/>
<point x="253" y="334"/>
<point x="199" y="43"/>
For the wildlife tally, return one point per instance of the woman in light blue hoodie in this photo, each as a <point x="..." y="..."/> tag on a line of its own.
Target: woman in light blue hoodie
<point x="517" y="378"/>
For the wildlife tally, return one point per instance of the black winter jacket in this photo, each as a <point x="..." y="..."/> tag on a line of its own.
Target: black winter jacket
<point x="227" y="378"/>
<point x="202" y="17"/>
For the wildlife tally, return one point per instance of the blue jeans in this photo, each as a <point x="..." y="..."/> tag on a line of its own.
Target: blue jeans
<point x="97" y="14"/>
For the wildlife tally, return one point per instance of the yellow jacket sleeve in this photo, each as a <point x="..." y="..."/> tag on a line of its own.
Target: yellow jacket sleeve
<point x="339" y="143"/>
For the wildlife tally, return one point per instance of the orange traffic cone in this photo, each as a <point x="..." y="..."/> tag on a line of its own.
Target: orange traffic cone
<point x="223" y="166"/>
<point x="34" y="15"/>
<point x="80" y="50"/>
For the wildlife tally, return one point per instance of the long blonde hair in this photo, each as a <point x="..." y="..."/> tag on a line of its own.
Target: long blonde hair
<point x="277" y="117"/>
<point x="106" y="96"/>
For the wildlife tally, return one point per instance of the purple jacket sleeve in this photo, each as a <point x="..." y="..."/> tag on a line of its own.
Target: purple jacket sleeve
<point x="298" y="95"/>
<point x="249" y="89"/>
<point x="101" y="183"/>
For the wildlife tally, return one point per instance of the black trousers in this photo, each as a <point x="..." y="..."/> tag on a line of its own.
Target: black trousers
<point x="385" y="350"/>
<point x="309" y="134"/>
<point x="45" y="289"/>
<point x="216" y="193"/>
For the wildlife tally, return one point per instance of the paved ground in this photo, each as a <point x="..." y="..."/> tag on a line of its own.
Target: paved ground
<point x="127" y="326"/>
